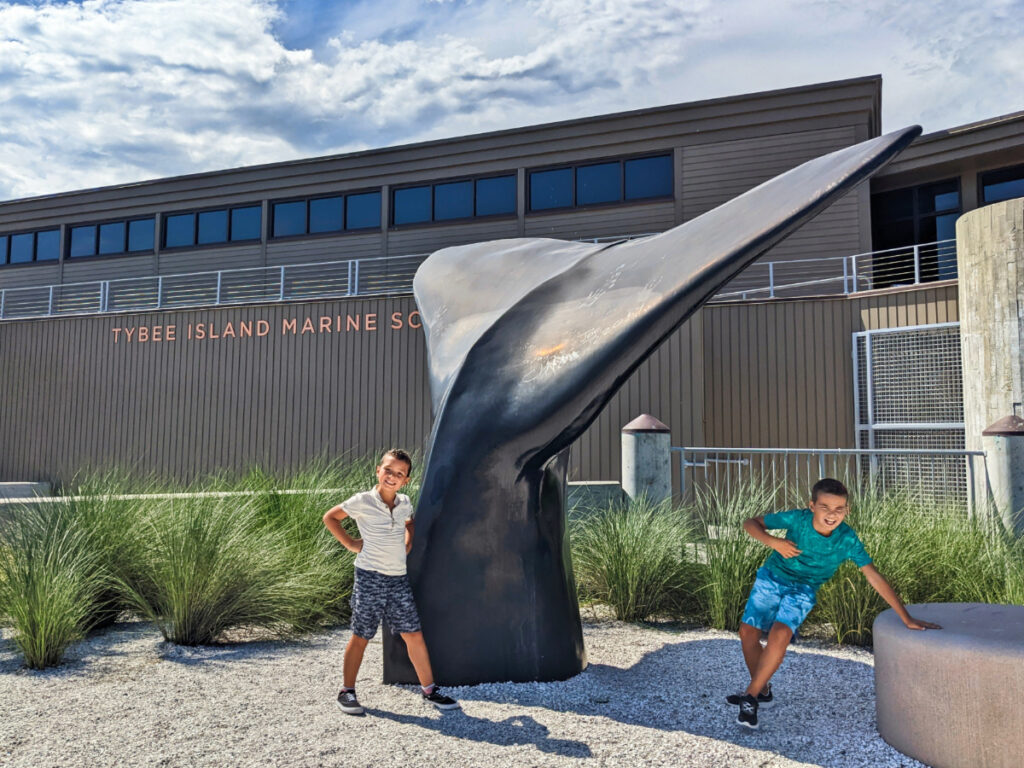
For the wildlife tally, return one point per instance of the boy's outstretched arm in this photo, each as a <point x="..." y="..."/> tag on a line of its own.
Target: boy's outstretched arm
<point x="332" y="519"/>
<point x="754" y="526"/>
<point x="883" y="588"/>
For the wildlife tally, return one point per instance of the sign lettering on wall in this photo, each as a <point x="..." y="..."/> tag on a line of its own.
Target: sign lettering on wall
<point x="258" y="329"/>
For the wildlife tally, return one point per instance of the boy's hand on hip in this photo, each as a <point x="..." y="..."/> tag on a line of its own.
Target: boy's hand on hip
<point x="786" y="548"/>
<point x="357" y="546"/>
<point x="918" y="624"/>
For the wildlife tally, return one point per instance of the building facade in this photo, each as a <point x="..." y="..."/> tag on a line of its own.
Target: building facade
<point x="106" y="357"/>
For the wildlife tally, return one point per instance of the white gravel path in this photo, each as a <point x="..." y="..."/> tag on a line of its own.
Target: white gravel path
<point x="650" y="697"/>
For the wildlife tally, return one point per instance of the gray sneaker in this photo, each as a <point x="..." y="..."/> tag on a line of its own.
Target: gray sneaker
<point x="348" y="703"/>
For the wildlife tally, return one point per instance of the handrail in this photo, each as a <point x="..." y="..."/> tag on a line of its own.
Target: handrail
<point x="390" y="275"/>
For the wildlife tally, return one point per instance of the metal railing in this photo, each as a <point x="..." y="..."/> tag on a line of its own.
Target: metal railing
<point x="909" y="265"/>
<point x="386" y="275"/>
<point x="939" y="476"/>
<point x="321" y="280"/>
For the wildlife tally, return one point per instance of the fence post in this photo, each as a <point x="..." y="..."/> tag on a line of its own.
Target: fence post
<point x="104" y="295"/>
<point x="846" y="276"/>
<point x="351" y="276"/>
<point x="821" y="465"/>
<point x="220" y="274"/>
<point x="281" y="292"/>
<point x="917" y="264"/>
<point x="355" y="282"/>
<point x="159" y="291"/>
<point x="853" y="275"/>
<point x="49" y="306"/>
<point x="771" y="279"/>
<point x="3" y="300"/>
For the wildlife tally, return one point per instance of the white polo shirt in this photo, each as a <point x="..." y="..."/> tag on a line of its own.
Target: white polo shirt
<point x="382" y="530"/>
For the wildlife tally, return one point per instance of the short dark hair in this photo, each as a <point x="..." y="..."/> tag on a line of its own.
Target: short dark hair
<point x="831" y="486"/>
<point x="399" y="454"/>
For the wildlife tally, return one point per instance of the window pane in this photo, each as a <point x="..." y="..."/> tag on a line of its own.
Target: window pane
<point x="453" y="200"/>
<point x="213" y="227"/>
<point x="140" y="235"/>
<point x="496" y="196"/>
<point x="943" y="196"/>
<point x="48" y="245"/>
<point x="412" y="205"/>
<point x="290" y="218"/>
<point x="649" y="177"/>
<point x="893" y="234"/>
<point x="1003" y="184"/>
<point x="180" y="230"/>
<point x="326" y="214"/>
<point x="551" y="189"/>
<point x="362" y="211"/>
<point x="598" y="183"/>
<point x="3" y="249"/>
<point x="889" y="206"/>
<point x="112" y="237"/>
<point x="83" y="241"/>
<point x="21" y="248"/>
<point x="245" y="223"/>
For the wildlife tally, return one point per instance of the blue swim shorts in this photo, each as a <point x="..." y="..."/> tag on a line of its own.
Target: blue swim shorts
<point x="377" y="596"/>
<point x="772" y="599"/>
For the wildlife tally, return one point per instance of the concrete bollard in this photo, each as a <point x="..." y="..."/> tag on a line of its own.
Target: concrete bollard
<point x="1003" y="443"/>
<point x="647" y="459"/>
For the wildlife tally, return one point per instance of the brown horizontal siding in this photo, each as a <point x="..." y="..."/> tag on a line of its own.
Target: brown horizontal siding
<point x="638" y="218"/>
<point x="113" y="268"/>
<point x="211" y="259"/>
<point x="29" y="275"/>
<point x="780" y="374"/>
<point x="426" y="239"/>
<point x="312" y="249"/>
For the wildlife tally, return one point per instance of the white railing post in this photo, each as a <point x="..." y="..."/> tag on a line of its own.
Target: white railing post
<point x="355" y="281"/>
<point x="104" y="295"/>
<point x="846" y="277"/>
<point x="351" y="274"/>
<point x="917" y="264"/>
<point x="853" y="273"/>
<point x="771" y="279"/>
<point x="159" y="291"/>
<point x="49" y="306"/>
<point x="280" y="294"/>
<point x="3" y="300"/>
<point x="220" y="274"/>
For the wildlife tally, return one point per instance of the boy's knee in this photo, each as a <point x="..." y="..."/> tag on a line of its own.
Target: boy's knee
<point x="748" y="631"/>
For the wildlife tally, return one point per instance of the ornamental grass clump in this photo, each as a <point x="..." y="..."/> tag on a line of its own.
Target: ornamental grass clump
<point x="213" y="564"/>
<point x="636" y="558"/>
<point x="49" y="583"/>
<point x="732" y="556"/>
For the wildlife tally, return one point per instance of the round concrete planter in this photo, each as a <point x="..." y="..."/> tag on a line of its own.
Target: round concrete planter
<point x="951" y="698"/>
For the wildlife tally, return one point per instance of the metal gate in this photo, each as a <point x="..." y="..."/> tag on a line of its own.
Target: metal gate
<point x="909" y="395"/>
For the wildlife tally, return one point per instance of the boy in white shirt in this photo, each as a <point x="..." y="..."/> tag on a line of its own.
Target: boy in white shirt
<point x="382" y="589"/>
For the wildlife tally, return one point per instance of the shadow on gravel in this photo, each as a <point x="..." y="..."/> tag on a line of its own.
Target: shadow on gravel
<point x="512" y="731"/>
<point x="823" y="713"/>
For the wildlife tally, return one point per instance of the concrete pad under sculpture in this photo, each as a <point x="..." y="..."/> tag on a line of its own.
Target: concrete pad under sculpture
<point x="951" y="697"/>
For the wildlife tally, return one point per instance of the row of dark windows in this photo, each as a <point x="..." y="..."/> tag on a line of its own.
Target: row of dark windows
<point x="112" y="237"/>
<point x="319" y="215"/>
<point x="639" y="178"/>
<point x="26" y="247"/>
<point x="224" y="225"/>
<point x="1002" y="184"/>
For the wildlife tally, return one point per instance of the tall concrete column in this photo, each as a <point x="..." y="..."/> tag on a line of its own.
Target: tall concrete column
<point x="647" y="459"/>
<point x="990" y="262"/>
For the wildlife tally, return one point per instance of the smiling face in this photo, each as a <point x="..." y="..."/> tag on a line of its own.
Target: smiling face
<point x="392" y="474"/>
<point x="829" y="511"/>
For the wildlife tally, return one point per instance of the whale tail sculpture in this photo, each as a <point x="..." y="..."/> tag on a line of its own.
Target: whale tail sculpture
<point x="527" y="341"/>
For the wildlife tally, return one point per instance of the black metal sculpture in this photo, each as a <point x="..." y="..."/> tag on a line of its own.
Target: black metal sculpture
<point x="528" y="339"/>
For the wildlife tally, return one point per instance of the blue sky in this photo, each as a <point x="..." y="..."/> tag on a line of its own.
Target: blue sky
<point x="113" y="91"/>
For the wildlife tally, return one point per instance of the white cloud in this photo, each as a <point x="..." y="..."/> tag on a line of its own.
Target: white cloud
<point x="111" y="91"/>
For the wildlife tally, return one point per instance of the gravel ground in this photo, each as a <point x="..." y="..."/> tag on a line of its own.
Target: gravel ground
<point x="651" y="696"/>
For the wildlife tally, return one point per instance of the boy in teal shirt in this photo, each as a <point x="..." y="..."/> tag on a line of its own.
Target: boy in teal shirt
<point x="784" y="592"/>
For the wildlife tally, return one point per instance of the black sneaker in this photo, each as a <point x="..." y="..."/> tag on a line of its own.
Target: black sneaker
<point x="762" y="698"/>
<point x="348" y="703"/>
<point x="439" y="700"/>
<point x="748" y="712"/>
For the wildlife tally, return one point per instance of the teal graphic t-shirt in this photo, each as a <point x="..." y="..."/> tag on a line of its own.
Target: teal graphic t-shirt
<point x="820" y="556"/>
